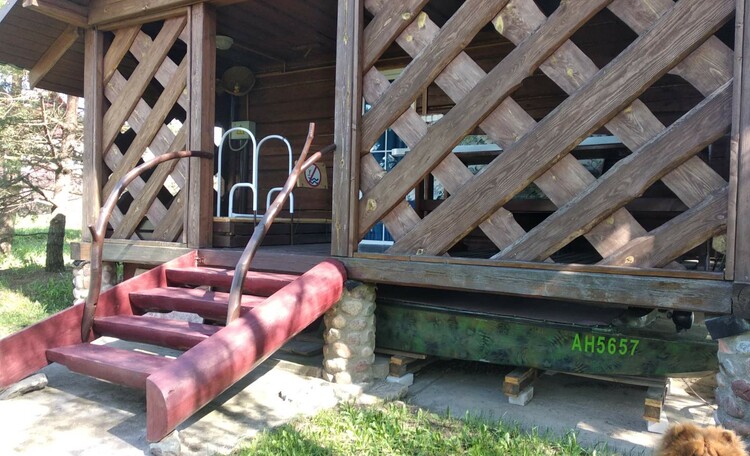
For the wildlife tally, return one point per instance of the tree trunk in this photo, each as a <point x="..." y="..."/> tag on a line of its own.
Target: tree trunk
<point x="55" y="241"/>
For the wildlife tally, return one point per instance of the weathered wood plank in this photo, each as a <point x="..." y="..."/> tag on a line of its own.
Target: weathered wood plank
<point x="151" y="126"/>
<point x="738" y="232"/>
<point x="604" y="289"/>
<point x="141" y="77"/>
<point x="386" y="26"/>
<point x="171" y="226"/>
<point x="54" y="53"/>
<point x="348" y="114"/>
<point x="140" y="50"/>
<point x="601" y="98"/>
<point x="201" y="121"/>
<point x="124" y="39"/>
<point x="466" y="115"/>
<point x="453" y="37"/>
<point x="682" y="233"/>
<point x="62" y="10"/>
<point x="628" y="179"/>
<point x="92" y="128"/>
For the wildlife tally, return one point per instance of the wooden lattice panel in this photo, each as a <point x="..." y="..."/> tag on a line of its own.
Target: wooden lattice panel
<point x="157" y="126"/>
<point x="674" y="38"/>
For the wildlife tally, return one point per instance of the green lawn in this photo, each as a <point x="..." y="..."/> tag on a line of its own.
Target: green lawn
<point x="398" y="429"/>
<point x="28" y="293"/>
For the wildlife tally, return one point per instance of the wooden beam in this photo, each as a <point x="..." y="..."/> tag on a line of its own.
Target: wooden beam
<point x="677" y="236"/>
<point x="386" y="26"/>
<point x="447" y="132"/>
<point x="126" y="251"/>
<point x="738" y="232"/>
<point x="62" y="10"/>
<point x="583" y="112"/>
<point x="604" y="289"/>
<point x="124" y="39"/>
<point x="628" y="179"/>
<point x="453" y="37"/>
<point x="348" y="115"/>
<point x="201" y="117"/>
<point x="108" y="11"/>
<point x="53" y="54"/>
<point x="92" y="128"/>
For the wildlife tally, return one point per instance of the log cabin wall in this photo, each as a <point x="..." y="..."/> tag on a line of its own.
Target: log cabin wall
<point x="664" y="93"/>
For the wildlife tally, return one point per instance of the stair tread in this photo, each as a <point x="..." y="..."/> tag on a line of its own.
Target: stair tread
<point x="116" y="365"/>
<point x="208" y="304"/>
<point x="259" y="283"/>
<point x="177" y="334"/>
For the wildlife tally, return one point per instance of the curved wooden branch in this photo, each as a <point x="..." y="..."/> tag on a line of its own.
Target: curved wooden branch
<point x="99" y="230"/>
<point x="243" y="265"/>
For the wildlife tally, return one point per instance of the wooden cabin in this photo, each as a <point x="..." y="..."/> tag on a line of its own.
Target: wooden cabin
<point x="556" y="166"/>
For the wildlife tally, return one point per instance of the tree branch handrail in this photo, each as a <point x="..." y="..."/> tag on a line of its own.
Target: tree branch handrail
<point x="98" y="231"/>
<point x="243" y="265"/>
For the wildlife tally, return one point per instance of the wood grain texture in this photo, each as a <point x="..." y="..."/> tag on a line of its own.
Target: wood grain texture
<point x="139" y="80"/>
<point x="628" y="179"/>
<point x="684" y="232"/>
<point x="173" y="225"/>
<point x="453" y="37"/>
<point x="62" y="10"/>
<point x="92" y="129"/>
<point x="602" y="289"/>
<point x="466" y="115"/>
<point x="107" y="11"/>
<point x="201" y="120"/>
<point x="348" y="115"/>
<point x="601" y="98"/>
<point x="53" y="55"/>
<point x="120" y="46"/>
<point x="386" y="26"/>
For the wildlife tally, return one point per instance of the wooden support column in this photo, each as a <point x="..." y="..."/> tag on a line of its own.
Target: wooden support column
<point x="202" y="92"/>
<point x="93" y="92"/>
<point x="738" y="232"/>
<point x="347" y="135"/>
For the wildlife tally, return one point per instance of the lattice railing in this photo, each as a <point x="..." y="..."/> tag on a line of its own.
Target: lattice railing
<point x="147" y="118"/>
<point x="672" y="37"/>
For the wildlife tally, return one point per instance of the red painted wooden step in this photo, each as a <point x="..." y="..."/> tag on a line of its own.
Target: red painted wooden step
<point x="180" y="335"/>
<point x="115" y="365"/>
<point x="208" y="304"/>
<point x="256" y="283"/>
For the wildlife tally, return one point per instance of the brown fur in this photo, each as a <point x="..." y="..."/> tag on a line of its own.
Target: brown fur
<point x="687" y="439"/>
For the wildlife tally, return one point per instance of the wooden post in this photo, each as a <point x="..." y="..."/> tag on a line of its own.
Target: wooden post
<point x="201" y="89"/>
<point x="738" y="233"/>
<point x="347" y="134"/>
<point x="93" y="92"/>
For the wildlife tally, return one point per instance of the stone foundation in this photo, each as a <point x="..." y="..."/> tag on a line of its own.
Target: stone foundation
<point x="350" y="336"/>
<point x="82" y="277"/>
<point x="733" y="379"/>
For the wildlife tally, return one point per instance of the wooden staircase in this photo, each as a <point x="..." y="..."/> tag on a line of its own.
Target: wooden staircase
<point x="274" y="308"/>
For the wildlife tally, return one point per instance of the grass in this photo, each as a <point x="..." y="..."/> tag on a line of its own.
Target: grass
<point x="398" y="429"/>
<point x="28" y="293"/>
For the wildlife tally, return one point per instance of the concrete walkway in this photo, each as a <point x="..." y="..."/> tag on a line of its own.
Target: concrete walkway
<point x="77" y="415"/>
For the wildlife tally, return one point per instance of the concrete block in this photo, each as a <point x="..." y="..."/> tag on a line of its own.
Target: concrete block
<point x="380" y="367"/>
<point x="27" y="385"/>
<point x="658" y="427"/>
<point x="407" y="379"/>
<point x="523" y="398"/>
<point x="168" y="446"/>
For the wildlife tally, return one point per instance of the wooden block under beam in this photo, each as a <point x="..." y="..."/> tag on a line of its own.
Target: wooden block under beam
<point x="518" y="380"/>
<point x="402" y="365"/>
<point x="654" y="403"/>
<point x="62" y="10"/>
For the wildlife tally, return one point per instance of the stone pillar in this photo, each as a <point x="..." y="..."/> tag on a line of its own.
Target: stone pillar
<point x="350" y="336"/>
<point x="733" y="379"/>
<point x="82" y="275"/>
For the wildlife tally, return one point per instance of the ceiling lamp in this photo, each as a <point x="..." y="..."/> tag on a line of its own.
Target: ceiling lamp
<point x="223" y="42"/>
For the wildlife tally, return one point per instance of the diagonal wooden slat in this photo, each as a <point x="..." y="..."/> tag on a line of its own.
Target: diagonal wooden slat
<point x="140" y="50"/>
<point x="466" y="115"/>
<point x="120" y="45"/>
<point x="386" y="26"/>
<point x="146" y="197"/>
<point x="628" y="179"/>
<point x="139" y="80"/>
<point x="452" y="39"/>
<point x="614" y="87"/>
<point x="170" y="228"/>
<point x="152" y="125"/>
<point x="684" y="232"/>
<point x="501" y="228"/>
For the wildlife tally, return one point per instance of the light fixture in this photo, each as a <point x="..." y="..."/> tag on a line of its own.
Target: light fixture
<point x="223" y="42"/>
